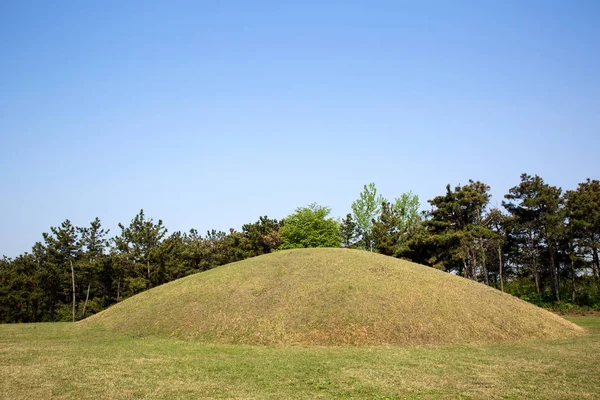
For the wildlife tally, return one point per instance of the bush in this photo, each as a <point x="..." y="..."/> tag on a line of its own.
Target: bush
<point x="93" y="306"/>
<point x="563" y="307"/>
<point x="64" y="313"/>
<point x="525" y="290"/>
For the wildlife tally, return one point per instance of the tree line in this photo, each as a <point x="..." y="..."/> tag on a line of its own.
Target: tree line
<point x="541" y="245"/>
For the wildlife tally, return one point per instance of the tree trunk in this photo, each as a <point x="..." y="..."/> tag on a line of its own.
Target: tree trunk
<point x="595" y="265"/>
<point x="553" y="271"/>
<point x="534" y="264"/>
<point x="118" y="288"/>
<point x="73" y="282"/>
<point x="500" y="267"/>
<point x="485" y="271"/>
<point x="148" y="266"/>
<point x="572" y="279"/>
<point x="536" y="275"/>
<point x="87" y="296"/>
<point x="35" y="310"/>
<point x="474" y="265"/>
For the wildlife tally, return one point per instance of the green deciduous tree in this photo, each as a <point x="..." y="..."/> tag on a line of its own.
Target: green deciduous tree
<point x="365" y="210"/>
<point x="310" y="227"/>
<point x="407" y="206"/>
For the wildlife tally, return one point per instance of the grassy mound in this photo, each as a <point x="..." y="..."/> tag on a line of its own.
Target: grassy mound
<point x="330" y="297"/>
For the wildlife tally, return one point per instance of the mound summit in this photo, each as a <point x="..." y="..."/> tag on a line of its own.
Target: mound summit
<point x="330" y="297"/>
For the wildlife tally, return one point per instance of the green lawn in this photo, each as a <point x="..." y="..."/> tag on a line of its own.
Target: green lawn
<point x="61" y="360"/>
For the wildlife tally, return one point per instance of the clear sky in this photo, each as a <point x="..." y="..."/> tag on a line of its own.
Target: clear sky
<point x="210" y="114"/>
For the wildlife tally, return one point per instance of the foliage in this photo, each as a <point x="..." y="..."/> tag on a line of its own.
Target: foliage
<point x="263" y="236"/>
<point x="310" y="227"/>
<point x="457" y="225"/>
<point x="537" y="211"/>
<point x="348" y="232"/>
<point x="396" y="224"/>
<point x="140" y="243"/>
<point x="364" y="211"/>
<point x="583" y="214"/>
<point x="64" y="250"/>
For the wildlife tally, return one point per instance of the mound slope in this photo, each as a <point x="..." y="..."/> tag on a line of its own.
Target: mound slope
<point x="330" y="297"/>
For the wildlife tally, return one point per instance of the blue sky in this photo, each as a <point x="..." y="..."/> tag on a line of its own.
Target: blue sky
<point x="210" y="114"/>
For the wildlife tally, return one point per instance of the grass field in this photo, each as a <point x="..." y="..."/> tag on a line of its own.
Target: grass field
<point x="62" y="360"/>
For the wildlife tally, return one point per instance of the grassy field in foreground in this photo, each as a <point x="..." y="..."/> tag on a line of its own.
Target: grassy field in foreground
<point x="61" y="360"/>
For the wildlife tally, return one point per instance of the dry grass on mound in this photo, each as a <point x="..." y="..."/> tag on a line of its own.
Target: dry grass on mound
<point x="330" y="297"/>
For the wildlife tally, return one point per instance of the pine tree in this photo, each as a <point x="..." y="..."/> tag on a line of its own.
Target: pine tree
<point x="140" y="241"/>
<point x="348" y="231"/>
<point x="457" y="227"/>
<point x="583" y="213"/>
<point x="94" y="242"/>
<point x="64" y="247"/>
<point x="537" y="210"/>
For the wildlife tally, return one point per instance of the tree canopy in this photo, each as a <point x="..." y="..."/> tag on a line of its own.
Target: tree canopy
<point x="365" y="210"/>
<point x="310" y="227"/>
